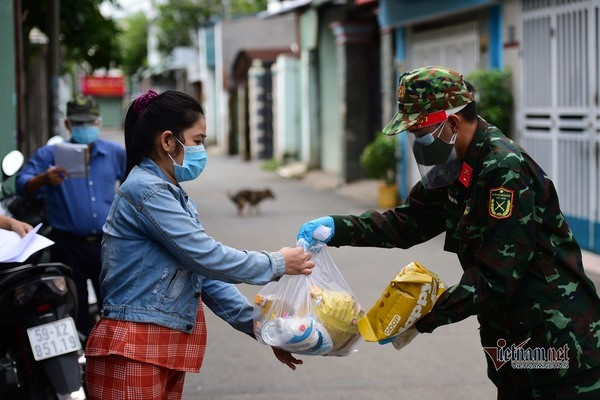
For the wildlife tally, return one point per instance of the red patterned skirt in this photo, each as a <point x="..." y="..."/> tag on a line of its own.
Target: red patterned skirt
<point x="133" y="360"/>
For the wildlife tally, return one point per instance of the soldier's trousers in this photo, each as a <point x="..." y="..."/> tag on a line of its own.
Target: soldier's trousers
<point x="583" y="386"/>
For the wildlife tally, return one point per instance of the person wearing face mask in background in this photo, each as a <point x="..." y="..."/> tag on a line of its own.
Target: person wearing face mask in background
<point x="77" y="207"/>
<point x="523" y="273"/>
<point x="160" y="266"/>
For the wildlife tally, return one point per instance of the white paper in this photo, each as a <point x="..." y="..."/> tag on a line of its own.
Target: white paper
<point x="73" y="157"/>
<point x="14" y="248"/>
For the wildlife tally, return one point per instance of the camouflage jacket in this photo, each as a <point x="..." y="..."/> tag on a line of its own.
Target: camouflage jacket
<point x="523" y="275"/>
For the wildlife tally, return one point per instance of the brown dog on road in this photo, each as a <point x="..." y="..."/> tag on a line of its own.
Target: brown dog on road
<point x="250" y="198"/>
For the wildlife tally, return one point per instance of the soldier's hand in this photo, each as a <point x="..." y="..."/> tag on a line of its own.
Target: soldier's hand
<point x="317" y="230"/>
<point x="55" y="175"/>
<point x="404" y="338"/>
<point x="297" y="261"/>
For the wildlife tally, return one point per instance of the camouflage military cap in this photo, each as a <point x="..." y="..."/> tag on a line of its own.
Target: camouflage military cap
<point x="83" y="109"/>
<point x="427" y="92"/>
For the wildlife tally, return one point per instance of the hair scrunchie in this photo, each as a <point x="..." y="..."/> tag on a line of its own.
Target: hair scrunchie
<point x="142" y="102"/>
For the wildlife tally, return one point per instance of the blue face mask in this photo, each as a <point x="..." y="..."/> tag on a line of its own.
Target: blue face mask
<point x="85" y="134"/>
<point x="194" y="160"/>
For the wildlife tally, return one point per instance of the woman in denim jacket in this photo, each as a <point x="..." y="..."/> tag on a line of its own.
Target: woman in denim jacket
<point x="159" y="265"/>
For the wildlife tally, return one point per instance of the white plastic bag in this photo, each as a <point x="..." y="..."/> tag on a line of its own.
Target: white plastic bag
<point x="311" y="315"/>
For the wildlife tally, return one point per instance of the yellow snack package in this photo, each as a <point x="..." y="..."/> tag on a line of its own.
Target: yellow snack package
<point x="409" y="296"/>
<point x="338" y="312"/>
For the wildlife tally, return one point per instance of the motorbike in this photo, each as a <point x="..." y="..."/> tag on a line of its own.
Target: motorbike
<point x="41" y="354"/>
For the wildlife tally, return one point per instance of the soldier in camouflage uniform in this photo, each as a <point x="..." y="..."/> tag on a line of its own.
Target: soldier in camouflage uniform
<point x="523" y="275"/>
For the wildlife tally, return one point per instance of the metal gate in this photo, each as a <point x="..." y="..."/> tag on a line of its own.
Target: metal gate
<point x="559" y="120"/>
<point x="455" y="47"/>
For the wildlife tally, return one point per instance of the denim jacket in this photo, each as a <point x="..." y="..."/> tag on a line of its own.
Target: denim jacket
<point x="157" y="259"/>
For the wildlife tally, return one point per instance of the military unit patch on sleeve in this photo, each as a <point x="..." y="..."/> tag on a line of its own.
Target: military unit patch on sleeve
<point x="501" y="202"/>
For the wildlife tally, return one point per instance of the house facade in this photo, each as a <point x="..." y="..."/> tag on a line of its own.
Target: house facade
<point x="340" y="84"/>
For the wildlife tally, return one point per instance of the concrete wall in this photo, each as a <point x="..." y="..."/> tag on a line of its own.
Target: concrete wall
<point x="329" y="95"/>
<point x="310" y="118"/>
<point x="111" y="111"/>
<point x="245" y="33"/>
<point x="8" y="94"/>
<point x="286" y="108"/>
<point x="206" y="66"/>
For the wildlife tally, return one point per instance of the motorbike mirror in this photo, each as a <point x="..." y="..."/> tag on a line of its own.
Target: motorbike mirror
<point x="12" y="162"/>
<point x="55" y="140"/>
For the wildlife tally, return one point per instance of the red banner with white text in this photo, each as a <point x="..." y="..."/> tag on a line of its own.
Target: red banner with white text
<point x="103" y="86"/>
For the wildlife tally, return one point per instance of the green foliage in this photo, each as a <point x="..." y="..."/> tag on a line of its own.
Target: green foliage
<point x="270" y="165"/>
<point x="494" y="97"/>
<point x="378" y="159"/>
<point x="85" y="34"/>
<point x="133" y="42"/>
<point x="240" y="7"/>
<point x="179" y="20"/>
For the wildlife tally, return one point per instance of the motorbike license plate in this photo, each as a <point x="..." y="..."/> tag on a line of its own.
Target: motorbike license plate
<point x="53" y="339"/>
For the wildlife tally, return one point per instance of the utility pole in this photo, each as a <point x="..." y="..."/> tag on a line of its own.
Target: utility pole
<point x="53" y="68"/>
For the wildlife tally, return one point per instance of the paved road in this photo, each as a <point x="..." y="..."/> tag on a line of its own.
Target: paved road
<point x="449" y="363"/>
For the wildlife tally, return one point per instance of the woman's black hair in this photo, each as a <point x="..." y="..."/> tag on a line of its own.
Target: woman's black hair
<point x="171" y="110"/>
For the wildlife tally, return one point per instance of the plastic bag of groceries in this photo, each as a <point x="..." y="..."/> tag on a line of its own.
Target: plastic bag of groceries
<point x="409" y="296"/>
<point x="312" y="314"/>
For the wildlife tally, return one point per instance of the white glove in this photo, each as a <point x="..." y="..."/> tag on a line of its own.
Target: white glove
<point x="404" y="338"/>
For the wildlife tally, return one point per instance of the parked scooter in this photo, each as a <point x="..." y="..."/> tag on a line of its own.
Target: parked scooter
<point x="39" y="343"/>
<point x="41" y="355"/>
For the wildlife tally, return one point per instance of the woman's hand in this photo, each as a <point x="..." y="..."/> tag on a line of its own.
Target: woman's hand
<point x="297" y="261"/>
<point x="22" y="228"/>
<point x="286" y="357"/>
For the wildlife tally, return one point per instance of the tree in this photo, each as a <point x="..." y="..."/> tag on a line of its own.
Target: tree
<point x="179" y="20"/>
<point x="85" y="34"/>
<point x="133" y="42"/>
<point x="240" y="7"/>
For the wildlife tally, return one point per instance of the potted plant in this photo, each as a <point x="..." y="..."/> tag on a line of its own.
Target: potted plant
<point x="378" y="159"/>
<point x="494" y="97"/>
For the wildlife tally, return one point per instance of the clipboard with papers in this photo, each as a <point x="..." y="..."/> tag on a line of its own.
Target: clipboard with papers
<point x="73" y="157"/>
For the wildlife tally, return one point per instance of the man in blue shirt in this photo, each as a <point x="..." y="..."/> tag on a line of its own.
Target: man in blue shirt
<point x="77" y="207"/>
